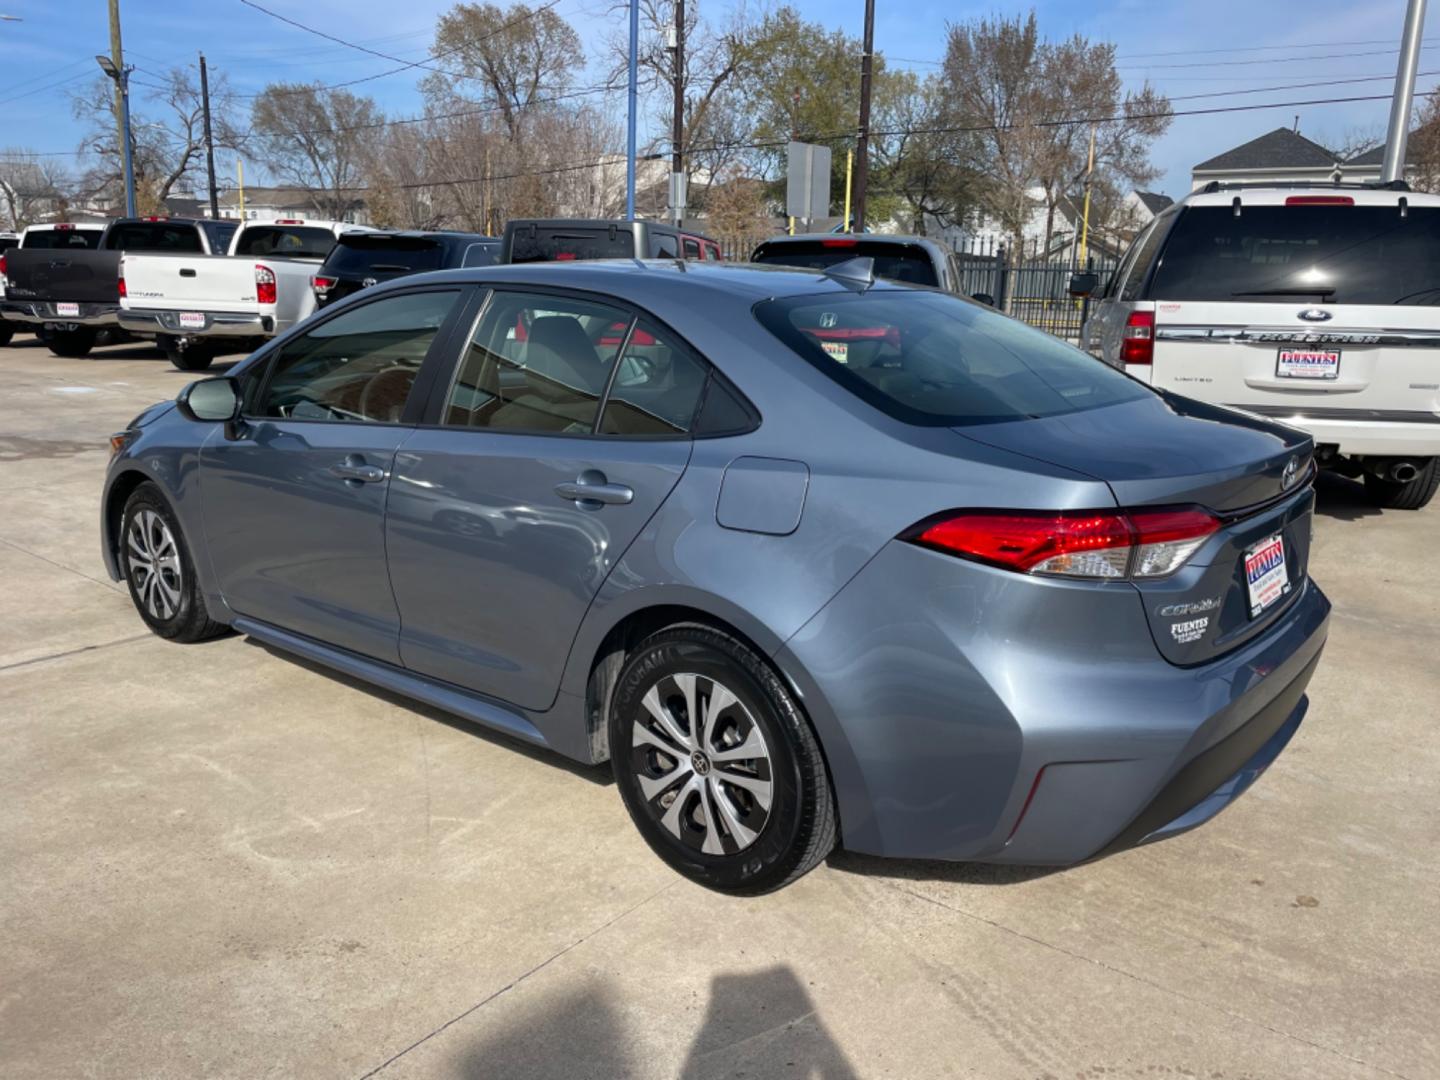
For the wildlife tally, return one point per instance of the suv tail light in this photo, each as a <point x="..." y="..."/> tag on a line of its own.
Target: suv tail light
<point x="2" y="266"/>
<point x="1083" y="544"/>
<point x="120" y="278"/>
<point x="264" y="284"/>
<point x="1137" y="343"/>
<point x="322" y="285"/>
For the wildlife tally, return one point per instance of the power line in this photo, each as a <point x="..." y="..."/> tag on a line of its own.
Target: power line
<point x="1265" y="60"/>
<point x="1261" y="48"/>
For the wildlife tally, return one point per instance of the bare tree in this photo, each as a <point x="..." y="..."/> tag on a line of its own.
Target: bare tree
<point x="31" y="187"/>
<point x="1423" y="148"/>
<point x="315" y="139"/>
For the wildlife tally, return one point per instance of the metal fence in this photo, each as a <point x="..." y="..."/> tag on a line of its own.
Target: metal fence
<point x="1035" y="292"/>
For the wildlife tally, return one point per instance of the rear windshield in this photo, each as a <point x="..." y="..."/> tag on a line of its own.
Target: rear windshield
<point x="547" y="245"/>
<point x="936" y="360"/>
<point x="8" y="242"/>
<point x="1329" y="254"/>
<point x="294" y="241"/>
<point x="898" y="262"/>
<point x="358" y="253"/>
<point x="62" y="238"/>
<point x="153" y="236"/>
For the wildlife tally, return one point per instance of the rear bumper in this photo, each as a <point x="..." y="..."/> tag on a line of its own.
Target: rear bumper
<point x="968" y="713"/>
<point x="1366" y="434"/>
<point x="239" y="324"/>
<point x="44" y="312"/>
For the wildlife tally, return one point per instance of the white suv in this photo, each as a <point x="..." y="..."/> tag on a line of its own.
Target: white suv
<point x="1315" y="305"/>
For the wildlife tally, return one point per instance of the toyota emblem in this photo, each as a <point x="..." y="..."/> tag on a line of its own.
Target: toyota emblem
<point x="365" y="283"/>
<point x="1290" y="475"/>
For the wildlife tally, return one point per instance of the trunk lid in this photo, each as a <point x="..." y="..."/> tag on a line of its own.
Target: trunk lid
<point x="79" y="275"/>
<point x="190" y="282"/>
<point x="1169" y="451"/>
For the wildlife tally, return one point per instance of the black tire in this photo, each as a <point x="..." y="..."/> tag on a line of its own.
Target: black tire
<point x="194" y="357"/>
<point x="798" y="828"/>
<point x="1412" y="495"/>
<point x="7" y="331"/>
<point x="172" y="606"/>
<point x="71" y="344"/>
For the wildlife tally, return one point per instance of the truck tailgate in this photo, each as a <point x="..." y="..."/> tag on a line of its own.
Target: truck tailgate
<point x="189" y="282"/>
<point x="48" y="274"/>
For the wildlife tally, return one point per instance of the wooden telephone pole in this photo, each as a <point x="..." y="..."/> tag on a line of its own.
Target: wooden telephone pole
<point x="862" y="149"/>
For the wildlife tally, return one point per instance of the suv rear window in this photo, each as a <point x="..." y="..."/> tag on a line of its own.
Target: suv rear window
<point x="546" y="245"/>
<point x="898" y="262"/>
<point x="43" y="239"/>
<point x="1329" y="254"/>
<point x="294" y="241"/>
<point x="153" y="236"/>
<point x="935" y="360"/>
<point x="356" y="253"/>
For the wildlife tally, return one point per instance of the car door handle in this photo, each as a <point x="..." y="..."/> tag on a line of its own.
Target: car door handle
<point x="352" y="470"/>
<point x="595" y="490"/>
<point x="187" y="272"/>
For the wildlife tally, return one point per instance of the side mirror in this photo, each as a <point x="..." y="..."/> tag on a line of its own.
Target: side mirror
<point x="984" y="298"/>
<point x="1084" y="283"/>
<point x="210" y="400"/>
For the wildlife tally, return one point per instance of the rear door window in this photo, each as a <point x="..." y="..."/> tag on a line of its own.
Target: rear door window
<point x="1286" y="254"/>
<point x="692" y="248"/>
<point x="292" y="241"/>
<point x="932" y="359"/>
<point x="898" y="262"/>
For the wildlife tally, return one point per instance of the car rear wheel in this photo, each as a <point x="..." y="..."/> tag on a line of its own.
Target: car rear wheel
<point x="71" y="344"/>
<point x="1410" y="495"/>
<point x="717" y="764"/>
<point x="192" y="357"/>
<point x="160" y="571"/>
<point x="6" y="333"/>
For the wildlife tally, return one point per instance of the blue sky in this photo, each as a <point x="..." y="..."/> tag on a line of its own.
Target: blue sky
<point x="1183" y="46"/>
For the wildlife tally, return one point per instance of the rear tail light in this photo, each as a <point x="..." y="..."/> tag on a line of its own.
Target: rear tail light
<point x="264" y="284"/>
<point x="1112" y="544"/>
<point x="2" y="266"/>
<point x="1319" y="200"/>
<point x="1137" y="343"/>
<point x="322" y="285"/>
<point x="120" y="278"/>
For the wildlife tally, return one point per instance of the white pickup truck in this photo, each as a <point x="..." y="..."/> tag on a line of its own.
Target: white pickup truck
<point x="199" y="305"/>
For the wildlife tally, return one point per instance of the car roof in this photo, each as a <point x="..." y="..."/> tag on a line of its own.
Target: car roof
<point x="426" y="234"/>
<point x="839" y="239"/>
<point x="636" y="279"/>
<point x="1277" y="194"/>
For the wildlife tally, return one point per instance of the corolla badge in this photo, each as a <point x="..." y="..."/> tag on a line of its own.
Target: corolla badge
<point x="1290" y="475"/>
<point x="1315" y="314"/>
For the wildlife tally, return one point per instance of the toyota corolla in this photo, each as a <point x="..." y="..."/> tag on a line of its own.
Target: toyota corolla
<point x="810" y="558"/>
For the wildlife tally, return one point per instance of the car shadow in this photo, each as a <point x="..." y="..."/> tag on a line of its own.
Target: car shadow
<point x="955" y="873"/>
<point x="596" y="774"/>
<point x="1344" y="499"/>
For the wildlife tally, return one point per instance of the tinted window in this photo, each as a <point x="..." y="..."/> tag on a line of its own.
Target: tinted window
<point x="220" y="234"/>
<point x="8" y="242"/>
<point x="359" y="365"/>
<point x="360" y="253"/>
<point x="663" y="246"/>
<point x="1339" y="254"/>
<point x="481" y="254"/>
<point x="537" y="244"/>
<point x="657" y="386"/>
<point x="692" y="249"/>
<point x="62" y="238"/>
<point x="292" y="241"/>
<point x="898" y="262"/>
<point x="1142" y="261"/>
<point x="712" y="253"/>
<point x="933" y="359"/>
<point x="153" y="236"/>
<point x="537" y="363"/>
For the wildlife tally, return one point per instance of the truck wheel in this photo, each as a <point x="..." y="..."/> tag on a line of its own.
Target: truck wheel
<point x="71" y="344"/>
<point x="1411" y="495"/>
<point x="6" y="333"/>
<point x="194" y="357"/>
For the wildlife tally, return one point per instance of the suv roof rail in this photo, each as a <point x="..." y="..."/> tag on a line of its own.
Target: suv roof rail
<point x="1360" y="185"/>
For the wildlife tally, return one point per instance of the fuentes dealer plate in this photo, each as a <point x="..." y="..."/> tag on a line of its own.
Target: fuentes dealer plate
<point x="1265" y="574"/>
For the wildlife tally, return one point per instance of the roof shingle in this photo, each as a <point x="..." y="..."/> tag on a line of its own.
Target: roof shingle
<point x="1278" y="149"/>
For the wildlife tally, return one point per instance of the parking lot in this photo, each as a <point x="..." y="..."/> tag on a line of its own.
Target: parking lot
<point x="216" y="860"/>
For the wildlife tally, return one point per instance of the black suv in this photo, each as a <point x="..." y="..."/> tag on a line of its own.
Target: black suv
<point x="361" y="259"/>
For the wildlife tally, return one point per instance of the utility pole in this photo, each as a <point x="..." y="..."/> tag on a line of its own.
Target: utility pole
<point x="632" y="100"/>
<point x="1399" y="131"/>
<point x="677" y="162"/>
<point x="209" y="140"/>
<point x="862" y="148"/>
<point x="121" y="75"/>
<point x="1085" y="218"/>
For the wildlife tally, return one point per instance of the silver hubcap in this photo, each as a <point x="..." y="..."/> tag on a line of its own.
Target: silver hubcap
<point x="154" y="561"/>
<point x="702" y="764"/>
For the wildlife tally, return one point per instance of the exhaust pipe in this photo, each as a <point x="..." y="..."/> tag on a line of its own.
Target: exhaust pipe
<point x="1402" y="472"/>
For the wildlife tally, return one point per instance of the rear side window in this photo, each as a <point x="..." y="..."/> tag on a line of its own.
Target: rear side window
<point x="1143" y="261"/>
<point x="54" y="239"/>
<point x="537" y="244"/>
<point x="153" y="236"/>
<point x="663" y="246"/>
<point x="933" y="359"/>
<point x="897" y="262"/>
<point x="358" y="253"/>
<point x="1328" y="254"/>
<point x="480" y="254"/>
<point x="657" y="386"/>
<point x="294" y="241"/>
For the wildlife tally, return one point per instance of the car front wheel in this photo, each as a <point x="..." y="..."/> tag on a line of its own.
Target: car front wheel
<point x="160" y="571"/>
<point x="717" y="764"/>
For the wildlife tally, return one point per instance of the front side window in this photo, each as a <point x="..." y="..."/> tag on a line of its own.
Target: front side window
<point x="358" y="366"/>
<point x="935" y="360"/>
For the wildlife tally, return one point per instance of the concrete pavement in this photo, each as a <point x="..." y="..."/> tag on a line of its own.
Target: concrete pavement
<point x="218" y="861"/>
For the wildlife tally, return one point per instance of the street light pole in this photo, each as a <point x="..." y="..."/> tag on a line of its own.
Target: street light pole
<point x="632" y="96"/>
<point x="121" y="76"/>
<point x="1399" y="131"/>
